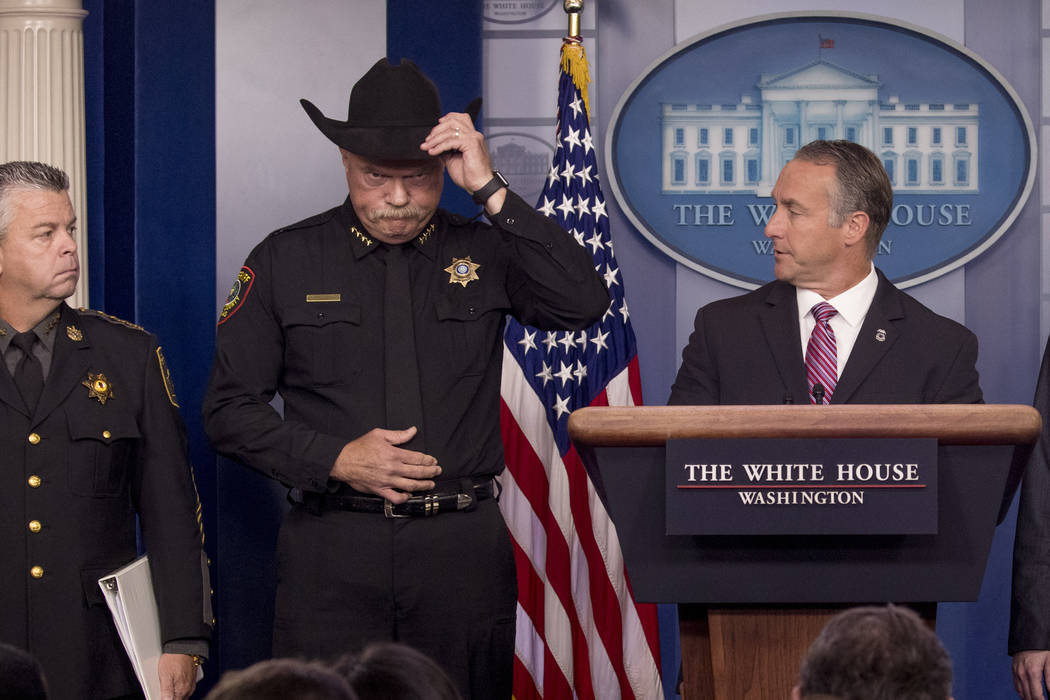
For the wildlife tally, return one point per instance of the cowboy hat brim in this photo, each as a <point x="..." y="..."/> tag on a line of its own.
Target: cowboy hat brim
<point x="385" y="141"/>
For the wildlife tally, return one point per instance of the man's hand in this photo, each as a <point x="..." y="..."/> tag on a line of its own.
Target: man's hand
<point x="462" y="150"/>
<point x="372" y="463"/>
<point x="178" y="676"/>
<point x="1031" y="673"/>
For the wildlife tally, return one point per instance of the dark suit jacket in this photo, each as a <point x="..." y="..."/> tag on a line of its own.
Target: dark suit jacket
<point x="83" y="469"/>
<point x="1030" y="607"/>
<point x="747" y="350"/>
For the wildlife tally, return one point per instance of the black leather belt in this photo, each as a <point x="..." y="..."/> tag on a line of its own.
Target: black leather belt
<point x="447" y="496"/>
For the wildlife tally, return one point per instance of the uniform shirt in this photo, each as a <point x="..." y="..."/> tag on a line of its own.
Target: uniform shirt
<point x="42" y="349"/>
<point x="305" y="319"/>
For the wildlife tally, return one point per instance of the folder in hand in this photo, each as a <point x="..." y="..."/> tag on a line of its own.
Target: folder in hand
<point x="129" y="594"/>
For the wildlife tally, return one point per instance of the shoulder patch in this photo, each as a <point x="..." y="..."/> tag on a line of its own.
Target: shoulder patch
<point x="111" y="319"/>
<point x="238" y="293"/>
<point x="165" y="373"/>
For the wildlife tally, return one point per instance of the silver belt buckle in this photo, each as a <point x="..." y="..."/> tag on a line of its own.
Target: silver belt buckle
<point x="430" y="505"/>
<point x="464" y="501"/>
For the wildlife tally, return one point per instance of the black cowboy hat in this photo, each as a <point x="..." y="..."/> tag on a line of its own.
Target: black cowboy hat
<point x="392" y="109"/>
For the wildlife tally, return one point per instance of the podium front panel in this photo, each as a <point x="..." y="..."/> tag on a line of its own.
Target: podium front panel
<point x="948" y="566"/>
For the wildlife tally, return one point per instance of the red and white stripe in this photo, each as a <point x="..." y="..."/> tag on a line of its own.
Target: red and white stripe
<point x="580" y="633"/>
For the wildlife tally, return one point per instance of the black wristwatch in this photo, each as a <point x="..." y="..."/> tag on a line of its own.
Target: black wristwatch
<point x="497" y="183"/>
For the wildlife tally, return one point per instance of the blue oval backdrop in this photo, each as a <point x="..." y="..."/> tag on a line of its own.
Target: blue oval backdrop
<point x="698" y="140"/>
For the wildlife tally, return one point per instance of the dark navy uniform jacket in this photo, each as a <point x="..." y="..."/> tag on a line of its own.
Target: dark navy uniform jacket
<point x="74" y="476"/>
<point x="305" y="319"/>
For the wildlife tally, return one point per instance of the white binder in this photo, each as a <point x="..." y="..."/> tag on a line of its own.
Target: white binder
<point x="129" y="594"/>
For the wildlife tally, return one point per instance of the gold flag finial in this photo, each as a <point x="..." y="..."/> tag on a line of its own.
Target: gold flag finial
<point x="573" y="57"/>
<point x="573" y="8"/>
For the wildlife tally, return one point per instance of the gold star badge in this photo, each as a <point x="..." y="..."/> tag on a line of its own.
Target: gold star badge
<point x="98" y="387"/>
<point x="74" y="334"/>
<point x="462" y="271"/>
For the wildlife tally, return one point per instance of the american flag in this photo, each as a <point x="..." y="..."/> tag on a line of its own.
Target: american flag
<point x="579" y="631"/>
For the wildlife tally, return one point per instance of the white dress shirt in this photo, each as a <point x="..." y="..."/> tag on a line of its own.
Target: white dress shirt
<point x="852" y="306"/>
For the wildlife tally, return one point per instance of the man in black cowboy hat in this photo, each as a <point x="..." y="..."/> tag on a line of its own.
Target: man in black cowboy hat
<point x="380" y="324"/>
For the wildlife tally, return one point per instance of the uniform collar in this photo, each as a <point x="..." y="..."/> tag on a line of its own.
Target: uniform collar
<point x="45" y="331"/>
<point x="363" y="244"/>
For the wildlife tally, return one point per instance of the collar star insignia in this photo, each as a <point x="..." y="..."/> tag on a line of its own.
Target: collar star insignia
<point x="462" y="271"/>
<point x="98" y="387"/>
<point x="422" y="238"/>
<point x="360" y="236"/>
<point x="74" y="334"/>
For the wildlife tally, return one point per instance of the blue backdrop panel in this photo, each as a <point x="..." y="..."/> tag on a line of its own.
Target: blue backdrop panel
<point x="444" y="39"/>
<point x="149" y="81"/>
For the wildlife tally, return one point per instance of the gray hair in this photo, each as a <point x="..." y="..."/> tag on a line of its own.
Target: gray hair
<point x="27" y="175"/>
<point x="862" y="185"/>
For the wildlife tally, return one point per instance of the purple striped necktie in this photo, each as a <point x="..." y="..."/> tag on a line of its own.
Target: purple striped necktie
<point x="821" y="354"/>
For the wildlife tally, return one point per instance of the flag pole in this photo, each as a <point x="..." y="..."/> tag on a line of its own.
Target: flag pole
<point x="573" y="9"/>
<point x="573" y="58"/>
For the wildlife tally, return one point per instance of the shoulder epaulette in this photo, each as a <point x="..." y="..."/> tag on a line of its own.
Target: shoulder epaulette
<point x="111" y="319"/>
<point x="315" y="220"/>
<point x="457" y="220"/>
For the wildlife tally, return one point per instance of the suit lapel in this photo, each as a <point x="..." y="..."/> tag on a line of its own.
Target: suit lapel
<point x="69" y="364"/>
<point x="779" y="319"/>
<point x="877" y="335"/>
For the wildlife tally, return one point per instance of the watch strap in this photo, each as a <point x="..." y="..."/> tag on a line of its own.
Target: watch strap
<point x="497" y="183"/>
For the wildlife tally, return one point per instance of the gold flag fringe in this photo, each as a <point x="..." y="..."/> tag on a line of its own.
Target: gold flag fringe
<point x="574" y="62"/>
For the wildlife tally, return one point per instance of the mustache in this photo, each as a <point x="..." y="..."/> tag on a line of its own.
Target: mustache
<point x="409" y="212"/>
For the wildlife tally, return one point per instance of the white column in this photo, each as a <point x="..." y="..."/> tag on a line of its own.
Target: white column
<point x="42" y="97"/>
<point x="803" y="123"/>
<point x="769" y="146"/>
<point x="873" y="118"/>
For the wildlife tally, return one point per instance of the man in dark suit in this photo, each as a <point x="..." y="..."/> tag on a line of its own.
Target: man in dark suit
<point x="831" y="328"/>
<point x="1029" y="642"/>
<point x="91" y="437"/>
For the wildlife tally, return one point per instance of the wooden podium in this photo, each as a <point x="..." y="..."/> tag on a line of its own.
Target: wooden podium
<point x="749" y="606"/>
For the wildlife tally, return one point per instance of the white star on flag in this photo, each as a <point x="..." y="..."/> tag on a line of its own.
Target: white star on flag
<point x="564" y="374"/>
<point x="545" y="374"/>
<point x="572" y="139"/>
<point x="527" y="342"/>
<point x="547" y="208"/>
